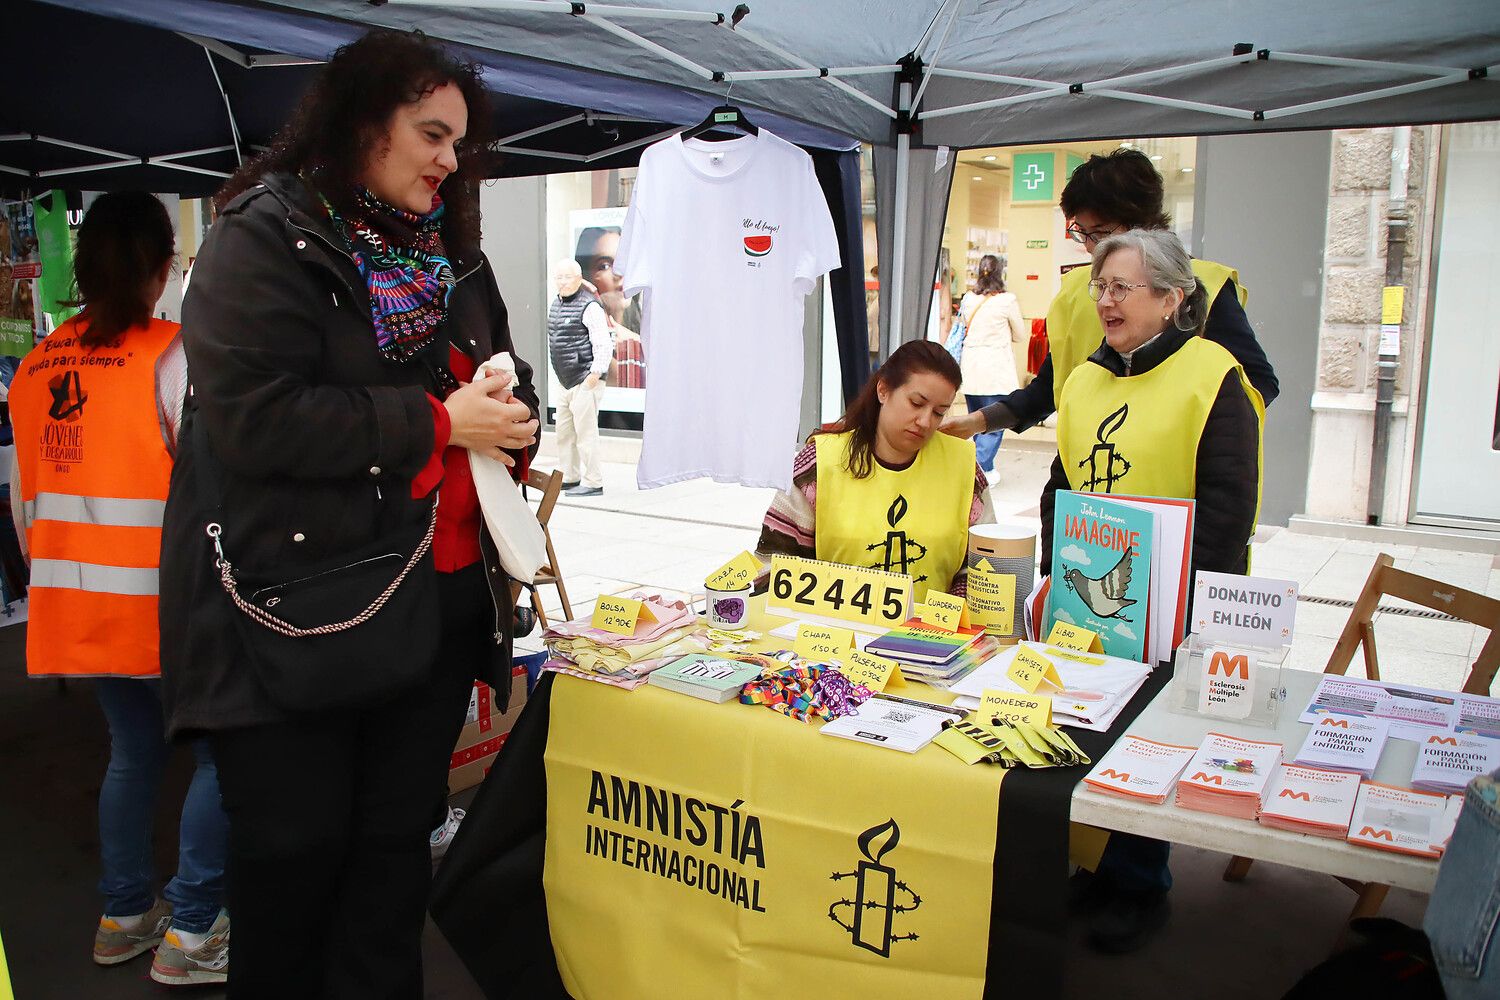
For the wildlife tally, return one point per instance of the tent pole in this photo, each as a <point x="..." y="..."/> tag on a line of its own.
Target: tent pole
<point x="927" y="72"/>
<point x="897" y="276"/>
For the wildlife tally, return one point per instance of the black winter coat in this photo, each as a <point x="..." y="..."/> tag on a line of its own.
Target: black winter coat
<point x="317" y="436"/>
<point x="1228" y="481"/>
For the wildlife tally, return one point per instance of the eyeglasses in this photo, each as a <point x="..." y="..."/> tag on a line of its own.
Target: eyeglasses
<point x="1117" y="289"/>
<point x="1078" y="234"/>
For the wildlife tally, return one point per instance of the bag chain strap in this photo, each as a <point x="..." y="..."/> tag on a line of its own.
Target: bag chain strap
<point x="270" y="621"/>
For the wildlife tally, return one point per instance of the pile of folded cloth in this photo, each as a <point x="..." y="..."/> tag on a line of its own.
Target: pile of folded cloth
<point x="577" y="648"/>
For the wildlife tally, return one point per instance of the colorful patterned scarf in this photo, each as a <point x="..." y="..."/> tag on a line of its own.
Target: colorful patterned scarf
<point x="405" y="266"/>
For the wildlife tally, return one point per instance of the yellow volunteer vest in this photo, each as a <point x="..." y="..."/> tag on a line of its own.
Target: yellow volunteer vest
<point x="94" y="472"/>
<point x="1139" y="435"/>
<point x="914" y="521"/>
<point x="1073" y="328"/>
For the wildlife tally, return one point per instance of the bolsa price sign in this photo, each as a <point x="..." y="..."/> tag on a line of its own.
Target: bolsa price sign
<point x="809" y="587"/>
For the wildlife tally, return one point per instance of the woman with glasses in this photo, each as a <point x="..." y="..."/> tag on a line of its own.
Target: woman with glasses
<point x="1105" y="196"/>
<point x="1156" y="410"/>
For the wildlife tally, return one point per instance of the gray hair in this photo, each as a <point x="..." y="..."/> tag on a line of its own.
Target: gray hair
<point x="1167" y="265"/>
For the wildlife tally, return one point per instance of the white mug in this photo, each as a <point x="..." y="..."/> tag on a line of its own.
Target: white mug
<point x="727" y="609"/>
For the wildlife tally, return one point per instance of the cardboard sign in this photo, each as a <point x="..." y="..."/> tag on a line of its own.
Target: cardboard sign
<point x="1035" y="709"/>
<point x="737" y="574"/>
<point x="818" y="642"/>
<point x="802" y="587"/>
<point x="1251" y="610"/>
<point x="945" y="611"/>
<point x="992" y="599"/>
<point x="1030" y="671"/>
<point x="1073" y="637"/>
<point x="620" y="614"/>
<point x="875" y="672"/>
<point x="1226" y="682"/>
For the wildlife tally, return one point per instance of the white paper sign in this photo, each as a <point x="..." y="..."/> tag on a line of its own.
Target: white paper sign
<point x="1226" y="682"/>
<point x="1255" y="610"/>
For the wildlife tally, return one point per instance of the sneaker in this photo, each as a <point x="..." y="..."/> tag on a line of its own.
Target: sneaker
<point x="1128" y="921"/>
<point x="586" y="491"/>
<point x="115" y="943"/>
<point x="568" y="485"/>
<point x="177" y="965"/>
<point x="443" y="835"/>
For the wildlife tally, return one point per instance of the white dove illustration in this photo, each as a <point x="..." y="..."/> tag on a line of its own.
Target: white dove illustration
<point x="1104" y="595"/>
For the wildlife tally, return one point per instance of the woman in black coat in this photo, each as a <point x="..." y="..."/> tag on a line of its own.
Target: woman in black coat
<point x="336" y="316"/>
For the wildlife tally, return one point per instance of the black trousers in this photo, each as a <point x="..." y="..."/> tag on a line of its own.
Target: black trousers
<point x="328" y="869"/>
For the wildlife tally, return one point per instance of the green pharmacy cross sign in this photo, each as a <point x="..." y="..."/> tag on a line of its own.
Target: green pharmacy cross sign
<point x="1031" y="176"/>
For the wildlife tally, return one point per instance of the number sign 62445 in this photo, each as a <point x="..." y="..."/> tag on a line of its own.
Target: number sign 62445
<point x="802" y="587"/>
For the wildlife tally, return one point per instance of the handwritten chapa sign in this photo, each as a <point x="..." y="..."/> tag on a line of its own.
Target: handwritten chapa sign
<point x="620" y="615"/>
<point x="1034" y="709"/>
<point x="1253" y="610"/>
<point x="1031" y="671"/>
<point x="1070" y="636"/>
<point x="945" y="611"/>
<point x="737" y="574"/>
<point x="875" y="672"/>
<point x="819" y="642"/>
<point x="992" y="599"/>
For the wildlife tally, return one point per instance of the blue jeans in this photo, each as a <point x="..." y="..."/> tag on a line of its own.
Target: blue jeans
<point x="986" y="445"/>
<point x="1464" y="912"/>
<point x="138" y="752"/>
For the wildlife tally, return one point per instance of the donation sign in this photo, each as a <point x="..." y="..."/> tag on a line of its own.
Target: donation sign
<point x="1245" y="609"/>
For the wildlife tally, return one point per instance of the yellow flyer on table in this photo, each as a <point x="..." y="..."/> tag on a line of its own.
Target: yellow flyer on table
<point x="1073" y="637"/>
<point x="1031" y="671"/>
<point x="945" y="611"/>
<point x="875" y="672"/>
<point x="1035" y="709"/>
<point x="819" y="642"/>
<point x="736" y="574"/>
<point x="620" y="615"/>
<point x="992" y="599"/>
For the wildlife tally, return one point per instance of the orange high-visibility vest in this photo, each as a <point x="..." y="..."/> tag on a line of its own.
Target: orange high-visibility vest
<point x="94" y="470"/>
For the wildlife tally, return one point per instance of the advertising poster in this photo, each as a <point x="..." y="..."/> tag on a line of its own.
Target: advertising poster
<point x="20" y="263"/>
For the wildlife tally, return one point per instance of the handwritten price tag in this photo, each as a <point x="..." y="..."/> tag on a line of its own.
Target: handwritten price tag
<point x="875" y="672"/>
<point x="737" y="574"/>
<point x="1035" y="709"/>
<point x="802" y="587"/>
<point x="1072" y="637"/>
<point x="992" y="599"/>
<point x="817" y="642"/>
<point x="1030" y="671"/>
<point x="620" y="614"/>
<point x="945" y="611"/>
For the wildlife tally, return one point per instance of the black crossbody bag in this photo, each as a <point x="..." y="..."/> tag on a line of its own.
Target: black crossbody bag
<point x="347" y="632"/>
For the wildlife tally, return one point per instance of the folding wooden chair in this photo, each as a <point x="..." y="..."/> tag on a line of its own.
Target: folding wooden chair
<point x="1359" y="632"/>
<point x="549" y="485"/>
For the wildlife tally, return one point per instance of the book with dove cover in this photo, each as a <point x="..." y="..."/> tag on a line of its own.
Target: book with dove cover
<point x="1101" y="571"/>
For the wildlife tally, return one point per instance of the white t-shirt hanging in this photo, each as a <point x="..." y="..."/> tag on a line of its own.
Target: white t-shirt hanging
<point x="725" y="238"/>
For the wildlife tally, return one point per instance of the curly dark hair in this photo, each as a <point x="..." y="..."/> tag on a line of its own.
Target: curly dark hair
<point x="344" y="115"/>
<point x="1122" y="187"/>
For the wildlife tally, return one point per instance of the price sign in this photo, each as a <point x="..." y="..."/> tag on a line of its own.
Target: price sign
<point x="1029" y="671"/>
<point x="815" y="642"/>
<point x="1074" y="637"/>
<point x="945" y="611"/>
<point x="802" y="587"/>
<point x="875" y="672"/>
<point x="1035" y="709"/>
<point x="620" y="614"/>
<point x="736" y="574"/>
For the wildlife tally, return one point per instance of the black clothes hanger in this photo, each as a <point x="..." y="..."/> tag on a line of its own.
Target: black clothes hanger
<point x="723" y="118"/>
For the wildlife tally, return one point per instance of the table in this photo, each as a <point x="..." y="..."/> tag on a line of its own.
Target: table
<point x="1248" y="839"/>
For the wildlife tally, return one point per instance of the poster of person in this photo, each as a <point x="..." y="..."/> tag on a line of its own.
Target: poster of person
<point x="19" y="266"/>
<point x="594" y="238"/>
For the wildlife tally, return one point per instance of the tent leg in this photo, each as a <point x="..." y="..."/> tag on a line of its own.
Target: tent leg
<point x="897" y="277"/>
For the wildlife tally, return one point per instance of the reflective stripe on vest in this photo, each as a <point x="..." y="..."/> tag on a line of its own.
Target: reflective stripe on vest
<point x="915" y="521"/>
<point x="112" y="511"/>
<point x="94" y="578"/>
<point x="1073" y="328"/>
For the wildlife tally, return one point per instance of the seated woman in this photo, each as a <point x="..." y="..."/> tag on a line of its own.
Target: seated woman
<point x="1181" y="419"/>
<point x="881" y="487"/>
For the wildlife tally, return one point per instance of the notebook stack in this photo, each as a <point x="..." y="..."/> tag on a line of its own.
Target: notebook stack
<point x="1312" y="801"/>
<point x="711" y="678"/>
<point x="1228" y="776"/>
<point x="1447" y="762"/>
<point x="1139" y="769"/>
<point x="933" y="655"/>
<point x="1345" y="743"/>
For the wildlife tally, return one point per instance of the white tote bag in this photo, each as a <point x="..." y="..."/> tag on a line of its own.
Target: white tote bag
<point x="512" y="523"/>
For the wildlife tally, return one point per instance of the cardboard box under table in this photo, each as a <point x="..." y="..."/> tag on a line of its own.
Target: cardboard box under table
<point x="484" y="733"/>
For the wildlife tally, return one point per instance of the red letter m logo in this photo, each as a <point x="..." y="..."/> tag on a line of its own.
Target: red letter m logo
<point x="1341" y="723"/>
<point x="1451" y="741"/>
<point x="1287" y="793"/>
<point x="1212" y="779"/>
<point x="1222" y="663"/>
<point x="1370" y="831"/>
<point x="1110" y="772"/>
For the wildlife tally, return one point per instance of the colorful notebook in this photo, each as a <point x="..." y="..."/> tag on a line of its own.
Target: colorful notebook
<point x="916" y="642"/>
